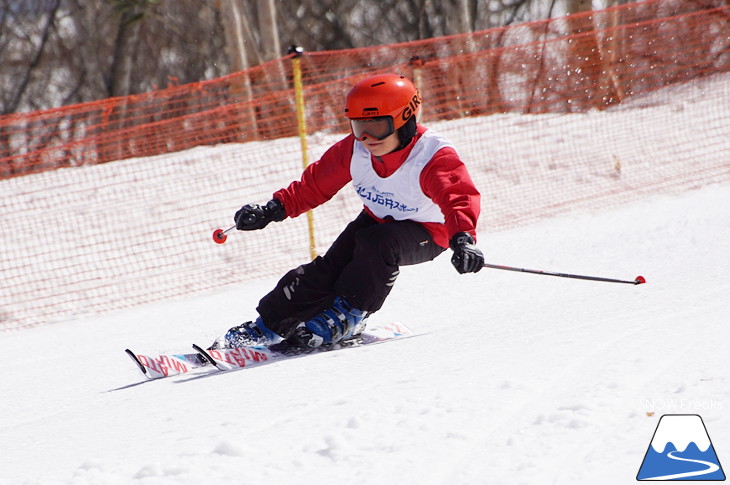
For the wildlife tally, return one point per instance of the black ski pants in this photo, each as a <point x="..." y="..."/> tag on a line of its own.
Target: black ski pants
<point x="361" y="266"/>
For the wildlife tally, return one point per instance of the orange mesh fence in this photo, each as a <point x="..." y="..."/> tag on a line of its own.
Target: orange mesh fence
<point x="582" y="111"/>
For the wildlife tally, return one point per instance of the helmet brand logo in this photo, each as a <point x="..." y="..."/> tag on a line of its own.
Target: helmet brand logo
<point x="410" y="109"/>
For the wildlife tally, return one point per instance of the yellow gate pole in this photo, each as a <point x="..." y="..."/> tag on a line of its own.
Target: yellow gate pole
<point x="302" y="129"/>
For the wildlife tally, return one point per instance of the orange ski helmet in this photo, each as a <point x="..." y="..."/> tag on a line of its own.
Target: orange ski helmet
<point x="383" y="95"/>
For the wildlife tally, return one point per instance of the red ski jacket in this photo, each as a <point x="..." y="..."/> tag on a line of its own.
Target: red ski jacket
<point x="444" y="180"/>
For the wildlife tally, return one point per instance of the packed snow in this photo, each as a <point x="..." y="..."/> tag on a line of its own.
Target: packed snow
<point x="513" y="378"/>
<point x="83" y="240"/>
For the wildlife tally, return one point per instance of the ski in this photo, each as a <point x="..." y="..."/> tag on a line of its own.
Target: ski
<point x="157" y="366"/>
<point x="165" y="365"/>
<point x="236" y="358"/>
<point x="247" y="357"/>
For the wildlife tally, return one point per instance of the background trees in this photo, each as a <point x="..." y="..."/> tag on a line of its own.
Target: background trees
<point x="56" y="52"/>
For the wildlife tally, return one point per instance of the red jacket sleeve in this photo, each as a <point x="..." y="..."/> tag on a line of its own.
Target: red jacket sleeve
<point x="320" y="181"/>
<point x="446" y="181"/>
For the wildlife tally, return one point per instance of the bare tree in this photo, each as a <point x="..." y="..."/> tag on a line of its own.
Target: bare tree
<point x="55" y="52"/>
<point x="586" y="63"/>
<point x="458" y="17"/>
<point x="119" y="82"/>
<point x="239" y="36"/>
<point x="34" y="47"/>
<point x="270" y="45"/>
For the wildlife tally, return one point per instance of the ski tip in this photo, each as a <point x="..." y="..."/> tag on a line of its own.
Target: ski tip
<point x="639" y="280"/>
<point x="398" y="328"/>
<point x="134" y="358"/>
<point x="206" y="356"/>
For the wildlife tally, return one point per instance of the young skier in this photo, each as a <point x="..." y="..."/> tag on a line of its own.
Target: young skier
<point x="418" y="200"/>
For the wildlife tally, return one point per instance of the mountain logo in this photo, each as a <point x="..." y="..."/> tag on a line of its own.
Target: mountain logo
<point x="681" y="450"/>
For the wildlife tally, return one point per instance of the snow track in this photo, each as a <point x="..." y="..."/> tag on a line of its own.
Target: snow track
<point x="516" y="378"/>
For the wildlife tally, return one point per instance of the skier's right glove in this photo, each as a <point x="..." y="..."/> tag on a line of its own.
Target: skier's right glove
<point x="467" y="258"/>
<point x="253" y="216"/>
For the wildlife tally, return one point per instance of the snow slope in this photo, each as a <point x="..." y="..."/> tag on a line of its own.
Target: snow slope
<point x="514" y="378"/>
<point x="163" y="209"/>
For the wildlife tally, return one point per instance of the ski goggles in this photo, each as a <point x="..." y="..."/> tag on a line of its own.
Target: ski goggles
<point x="379" y="128"/>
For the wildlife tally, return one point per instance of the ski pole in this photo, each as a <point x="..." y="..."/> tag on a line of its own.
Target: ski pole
<point x="636" y="281"/>
<point x="220" y="236"/>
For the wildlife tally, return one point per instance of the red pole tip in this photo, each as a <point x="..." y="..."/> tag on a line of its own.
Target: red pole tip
<point x="219" y="237"/>
<point x="640" y="280"/>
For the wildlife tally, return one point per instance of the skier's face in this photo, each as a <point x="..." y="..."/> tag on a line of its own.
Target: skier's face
<point x="381" y="147"/>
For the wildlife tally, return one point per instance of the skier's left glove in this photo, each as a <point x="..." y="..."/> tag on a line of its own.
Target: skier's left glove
<point x="253" y="216"/>
<point x="467" y="258"/>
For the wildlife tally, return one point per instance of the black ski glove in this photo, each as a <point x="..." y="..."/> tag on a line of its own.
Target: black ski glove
<point x="254" y="216"/>
<point x="467" y="258"/>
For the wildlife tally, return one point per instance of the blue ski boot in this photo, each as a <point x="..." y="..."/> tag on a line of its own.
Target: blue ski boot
<point x="338" y="323"/>
<point x="250" y="334"/>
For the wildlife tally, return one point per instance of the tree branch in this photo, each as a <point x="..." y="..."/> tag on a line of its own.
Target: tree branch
<point x="23" y="85"/>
